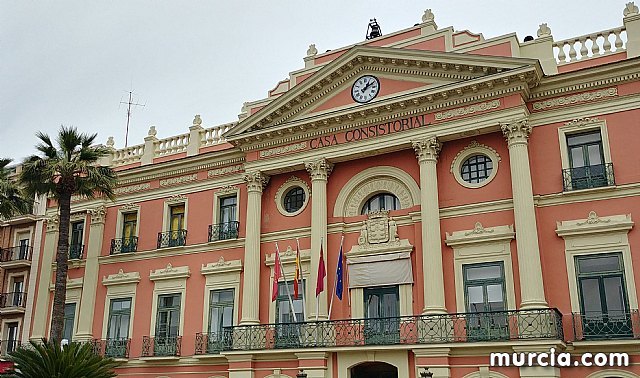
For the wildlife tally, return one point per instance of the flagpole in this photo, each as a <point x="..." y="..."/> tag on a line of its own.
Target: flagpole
<point x="335" y="281"/>
<point x="286" y="285"/>
<point x="304" y="302"/>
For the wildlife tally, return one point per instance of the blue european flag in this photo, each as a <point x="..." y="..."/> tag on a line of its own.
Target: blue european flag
<point x="340" y="283"/>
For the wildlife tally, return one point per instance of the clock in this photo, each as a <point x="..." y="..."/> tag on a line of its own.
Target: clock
<point x="365" y="89"/>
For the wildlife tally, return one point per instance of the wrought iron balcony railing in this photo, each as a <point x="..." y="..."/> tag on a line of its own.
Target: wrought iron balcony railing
<point x="76" y="251"/>
<point x="209" y="343"/>
<point x="8" y="346"/>
<point x="606" y="326"/>
<point x="419" y="329"/>
<point x="124" y="245"/>
<point x="16" y="299"/>
<point x="161" y="346"/>
<point x="593" y="176"/>
<point x="115" y="348"/>
<point x="19" y="253"/>
<point x="172" y="239"/>
<point x="224" y="231"/>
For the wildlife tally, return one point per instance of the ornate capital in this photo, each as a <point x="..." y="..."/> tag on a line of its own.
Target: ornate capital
<point x="516" y="131"/>
<point x="256" y="181"/>
<point x="427" y="149"/>
<point x="53" y="224"/>
<point x="319" y="169"/>
<point x="98" y="215"/>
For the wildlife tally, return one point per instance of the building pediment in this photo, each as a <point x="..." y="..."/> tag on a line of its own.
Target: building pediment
<point x="417" y="78"/>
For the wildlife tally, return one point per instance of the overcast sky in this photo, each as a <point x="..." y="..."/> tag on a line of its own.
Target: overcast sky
<point x="72" y="62"/>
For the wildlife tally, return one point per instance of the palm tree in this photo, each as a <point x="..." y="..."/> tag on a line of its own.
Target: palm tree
<point x="67" y="168"/>
<point x="50" y="359"/>
<point x="12" y="201"/>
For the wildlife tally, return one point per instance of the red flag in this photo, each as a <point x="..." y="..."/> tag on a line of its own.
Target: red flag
<point x="297" y="276"/>
<point x="276" y="277"/>
<point x="322" y="273"/>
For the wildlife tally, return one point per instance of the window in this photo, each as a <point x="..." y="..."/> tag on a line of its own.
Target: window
<point x="12" y="337"/>
<point x="77" y="240"/>
<point x="129" y="230"/>
<point x="228" y="209"/>
<point x="68" y="322"/>
<point x="294" y="199"/>
<point x="118" y="327"/>
<point x="476" y="169"/>
<point x="587" y="162"/>
<point x="176" y="235"/>
<point x="176" y="218"/>
<point x="167" y="325"/>
<point x="288" y="332"/>
<point x="18" y="292"/>
<point x="603" y="296"/>
<point x="382" y="311"/>
<point x="227" y="227"/>
<point x="382" y="201"/>
<point x="220" y="315"/>
<point x="23" y="248"/>
<point x="484" y="289"/>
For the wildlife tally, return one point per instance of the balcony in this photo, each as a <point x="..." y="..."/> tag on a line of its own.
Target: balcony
<point x="209" y="343"/>
<point x="123" y="245"/>
<point x="172" y="239"/>
<point x="16" y="257"/>
<point x="114" y="348"/>
<point x="76" y="251"/>
<point x="161" y="346"/>
<point x="224" y="231"/>
<point x="593" y="176"/>
<point x="407" y="330"/>
<point x="609" y="326"/>
<point x="8" y="346"/>
<point x="13" y="303"/>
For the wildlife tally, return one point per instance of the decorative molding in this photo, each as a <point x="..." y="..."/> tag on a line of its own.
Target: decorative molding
<point x="283" y="149"/>
<point x="427" y="149"/>
<point x="176" y="198"/>
<point x="225" y="170"/>
<point x="78" y="216"/>
<point x="378" y="228"/>
<point x="291" y="182"/>
<point x="121" y="278"/>
<point x="631" y="9"/>
<point x="256" y="181"/>
<point x="179" y="180"/>
<point x="479" y="234"/>
<point x="467" y="110"/>
<point x="227" y="189"/>
<point x="579" y="122"/>
<point x="98" y="215"/>
<point x="169" y="272"/>
<point x="594" y="224"/>
<point x="516" y="131"/>
<point x="130" y="206"/>
<point x="474" y="148"/>
<point x="478" y="229"/>
<point x="53" y="223"/>
<point x="221" y="266"/>
<point x="319" y="169"/>
<point x="576" y="98"/>
<point x="132" y="188"/>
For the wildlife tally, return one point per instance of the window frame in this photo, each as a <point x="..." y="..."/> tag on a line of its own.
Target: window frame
<point x="501" y="280"/>
<point x="379" y="196"/>
<point x="122" y="212"/>
<point x="73" y="320"/>
<point x="282" y="191"/>
<point x="284" y="298"/>
<point x="475" y="148"/>
<point x="175" y="201"/>
<point x="111" y="301"/>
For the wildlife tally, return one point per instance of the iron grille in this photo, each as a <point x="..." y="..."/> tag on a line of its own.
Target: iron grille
<point x="168" y="239"/>
<point x="114" y="348"/>
<point x="19" y="253"/>
<point x="224" y="231"/>
<point x="609" y="326"/>
<point x="17" y="299"/>
<point x="161" y="346"/>
<point x="76" y="251"/>
<point x="8" y="346"/>
<point x="124" y="245"/>
<point x="593" y="176"/>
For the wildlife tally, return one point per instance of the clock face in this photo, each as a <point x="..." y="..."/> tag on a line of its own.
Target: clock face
<point x="365" y="89"/>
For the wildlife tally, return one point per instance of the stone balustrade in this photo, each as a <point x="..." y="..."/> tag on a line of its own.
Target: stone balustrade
<point x="128" y="155"/>
<point x="213" y="135"/>
<point x="591" y="45"/>
<point x="171" y="145"/>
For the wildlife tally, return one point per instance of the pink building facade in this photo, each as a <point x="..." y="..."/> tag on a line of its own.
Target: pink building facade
<point x="484" y="192"/>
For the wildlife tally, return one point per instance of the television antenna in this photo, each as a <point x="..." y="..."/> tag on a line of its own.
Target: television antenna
<point x="129" y="104"/>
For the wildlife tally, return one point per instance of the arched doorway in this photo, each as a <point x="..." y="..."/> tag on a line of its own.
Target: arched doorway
<point x="374" y="370"/>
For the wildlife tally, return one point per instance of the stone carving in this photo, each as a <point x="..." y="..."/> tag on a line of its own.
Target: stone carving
<point x="378" y="228"/>
<point x="179" y="180"/>
<point x="176" y="198"/>
<point x="593" y="218"/>
<point x="168" y="269"/>
<point x="224" y="170"/>
<point x="98" y="214"/>
<point x="283" y="149"/>
<point x="312" y="51"/>
<point x="110" y="142"/>
<point x="355" y="200"/>
<point x="428" y="16"/>
<point x="152" y="131"/>
<point x="197" y="121"/>
<point x="227" y="189"/>
<point x="544" y="30"/>
<point x="256" y="181"/>
<point x="221" y="262"/>
<point x="132" y="188"/>
<point x="129" y="206"/>
<point x="630" y="9"/>
<point x="575" y="99"/>
<point x="478" y="229"/>
<point x="483" y="106"/>
<point x="53" y="223"/>
<point x="582" y="121"/>
<point x="427" y="149"/>
<point x="517" y="131"/>
<point x="319" y="169"/>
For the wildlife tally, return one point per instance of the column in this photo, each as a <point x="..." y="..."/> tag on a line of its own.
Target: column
<point x="427" y="151"/>
<point x="90" y="281"/>
<point x="41" y="305"/>
<point x="531" y="286"/>
<point x="256" y="181"/>
<point x="319" y="171"/>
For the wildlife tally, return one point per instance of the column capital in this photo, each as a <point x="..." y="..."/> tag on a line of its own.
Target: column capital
<point x="516" y="131"/>
<point x="319" y="169"/>
<point x="53" y="223"/>
<point x="427" y="149"/>
<point x="98" y="215"/>
<point x="256" y="181"/>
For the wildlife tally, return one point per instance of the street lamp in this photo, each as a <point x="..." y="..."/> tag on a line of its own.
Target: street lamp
<point x="426" y="373"/>
<point x="301" y="374"/>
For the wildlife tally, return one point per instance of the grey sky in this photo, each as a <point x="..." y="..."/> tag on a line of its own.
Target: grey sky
<point x="71" y="62"/>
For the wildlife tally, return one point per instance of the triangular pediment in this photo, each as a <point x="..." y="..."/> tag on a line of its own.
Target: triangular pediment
<point x="406" y="76"/>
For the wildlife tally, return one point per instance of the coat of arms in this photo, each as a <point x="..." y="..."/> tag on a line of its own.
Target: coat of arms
<point x="378" y="228"/>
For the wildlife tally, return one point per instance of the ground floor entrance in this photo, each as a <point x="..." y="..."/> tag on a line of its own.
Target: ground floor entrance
<point x="374" y="370"/>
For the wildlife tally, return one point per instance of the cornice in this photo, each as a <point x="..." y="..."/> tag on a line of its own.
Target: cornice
<point x="480" y="234"/>
<point x="139" y="175"/>
<point x="221" y="266"/>
<point x="121" y="278"/>
<point x="594" y="224"/>
<point x="170" y="272"/>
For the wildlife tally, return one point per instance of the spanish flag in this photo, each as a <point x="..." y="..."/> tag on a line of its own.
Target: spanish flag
<point x="296" y="279"/>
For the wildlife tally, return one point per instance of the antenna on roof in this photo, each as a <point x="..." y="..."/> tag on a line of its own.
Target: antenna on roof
<point x="129" y="104"/>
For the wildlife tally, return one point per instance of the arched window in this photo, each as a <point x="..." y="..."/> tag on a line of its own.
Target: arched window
<point x="381" y="201"/>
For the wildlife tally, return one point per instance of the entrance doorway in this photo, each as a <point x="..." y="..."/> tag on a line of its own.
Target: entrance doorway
<point x="374" y="370"/>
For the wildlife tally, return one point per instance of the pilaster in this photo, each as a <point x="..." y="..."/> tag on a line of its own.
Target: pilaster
<point x="90" y="282"/>
<point x="41" y="307"/>
<point x="427" y="151"/>
<point x="319" y="171"/>
<point x="532" y="289"/>
<point x="256" y="182"/>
